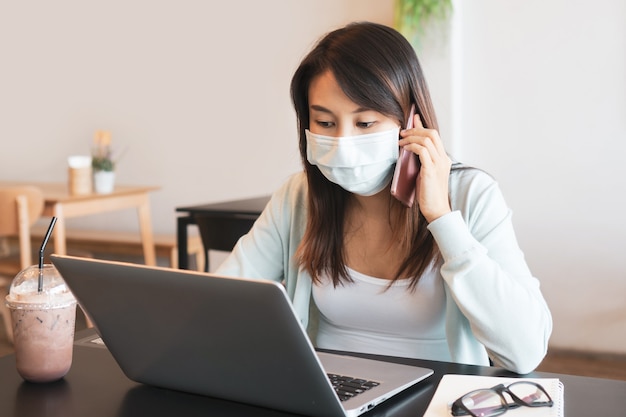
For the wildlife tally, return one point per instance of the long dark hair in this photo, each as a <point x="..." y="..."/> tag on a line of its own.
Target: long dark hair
<point x="377" y="69"/>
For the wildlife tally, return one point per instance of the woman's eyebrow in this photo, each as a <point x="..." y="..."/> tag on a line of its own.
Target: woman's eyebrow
<point x="319" y="108"/>
<point x="323" y="109"/>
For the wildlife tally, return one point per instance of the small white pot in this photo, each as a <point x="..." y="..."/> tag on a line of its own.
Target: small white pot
<point x="103" y="181"/>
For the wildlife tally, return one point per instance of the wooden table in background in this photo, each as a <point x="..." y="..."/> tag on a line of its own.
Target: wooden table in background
<point x="60" y="203"/>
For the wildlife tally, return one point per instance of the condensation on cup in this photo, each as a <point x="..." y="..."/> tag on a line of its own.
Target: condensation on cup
<point x="43" y="323"/>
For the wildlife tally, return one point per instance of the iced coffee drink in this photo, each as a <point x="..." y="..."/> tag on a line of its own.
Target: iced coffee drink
<point x="43" y="323"/>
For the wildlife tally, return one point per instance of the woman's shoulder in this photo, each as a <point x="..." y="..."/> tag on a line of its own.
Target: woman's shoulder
<point x="464" y="176"/>
<point x="471" y="186"/>
<point x="293" y="189"/>
<point x="291" y="196"/>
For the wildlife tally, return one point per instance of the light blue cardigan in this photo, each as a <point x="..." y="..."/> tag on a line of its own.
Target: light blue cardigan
<point x="494" y="307"/>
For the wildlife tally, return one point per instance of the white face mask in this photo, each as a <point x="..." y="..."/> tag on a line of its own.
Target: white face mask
<point x="360" y="164"/>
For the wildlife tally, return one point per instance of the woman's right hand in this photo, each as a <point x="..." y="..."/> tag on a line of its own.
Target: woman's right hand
<point x="432" y="180"/>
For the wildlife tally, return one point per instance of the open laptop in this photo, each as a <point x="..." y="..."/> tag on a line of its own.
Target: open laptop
<point x="230" y="338"/>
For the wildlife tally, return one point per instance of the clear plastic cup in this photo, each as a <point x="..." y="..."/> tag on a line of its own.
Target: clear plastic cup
<point x="43" y="323"/>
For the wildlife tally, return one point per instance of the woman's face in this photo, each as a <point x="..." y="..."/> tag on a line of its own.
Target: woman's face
<point x="332" y="113"/>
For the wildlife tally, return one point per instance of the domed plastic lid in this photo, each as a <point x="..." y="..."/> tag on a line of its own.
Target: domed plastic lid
<point x="24" y="292"/>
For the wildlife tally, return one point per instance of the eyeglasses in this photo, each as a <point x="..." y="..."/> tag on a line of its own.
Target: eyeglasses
<point x="490" y="402"/>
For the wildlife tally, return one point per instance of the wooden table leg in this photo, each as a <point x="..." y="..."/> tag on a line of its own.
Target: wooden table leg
<point x="145" y="227"/>
<point x="60" y="247"/>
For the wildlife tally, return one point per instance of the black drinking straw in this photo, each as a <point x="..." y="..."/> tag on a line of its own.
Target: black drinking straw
<point x="41" y="250"/>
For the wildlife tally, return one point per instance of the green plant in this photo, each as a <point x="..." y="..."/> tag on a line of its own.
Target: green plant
<point x="102" y="164"/>
<point x="412" y="16"/>
<point x="101" y="158"/>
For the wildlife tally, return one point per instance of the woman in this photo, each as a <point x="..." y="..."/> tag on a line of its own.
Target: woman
<point x="442" y="280"/>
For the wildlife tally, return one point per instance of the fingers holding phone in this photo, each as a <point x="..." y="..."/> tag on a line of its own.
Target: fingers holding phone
<point x="432" y="180"/>
<point x="407" y="167"/>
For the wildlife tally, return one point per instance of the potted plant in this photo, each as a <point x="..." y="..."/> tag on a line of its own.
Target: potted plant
<point x="412" y="16"/>
<point x="102" y="163"/>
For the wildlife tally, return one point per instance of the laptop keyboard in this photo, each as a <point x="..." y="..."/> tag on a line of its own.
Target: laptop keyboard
<point x="347" y="387"/>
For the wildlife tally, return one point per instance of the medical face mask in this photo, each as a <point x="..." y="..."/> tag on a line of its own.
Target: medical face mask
<point x="360" y="164"/>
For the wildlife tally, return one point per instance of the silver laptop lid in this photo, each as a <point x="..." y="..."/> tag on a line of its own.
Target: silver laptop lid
<point x="229" y="338"/>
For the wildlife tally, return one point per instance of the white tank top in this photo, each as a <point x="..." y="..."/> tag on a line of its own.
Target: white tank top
<point x="367" y="316"/>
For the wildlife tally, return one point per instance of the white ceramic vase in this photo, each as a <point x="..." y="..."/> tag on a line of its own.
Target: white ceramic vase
<point x="104" y="181"/>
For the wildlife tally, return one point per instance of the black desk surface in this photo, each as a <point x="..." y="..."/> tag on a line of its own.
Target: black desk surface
<point x="96" y="387"/>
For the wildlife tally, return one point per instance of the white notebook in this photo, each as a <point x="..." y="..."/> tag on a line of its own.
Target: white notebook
<point x="454" y="386"/>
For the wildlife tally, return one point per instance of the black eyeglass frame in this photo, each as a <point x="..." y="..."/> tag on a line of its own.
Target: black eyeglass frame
<point x="459" y="409"/>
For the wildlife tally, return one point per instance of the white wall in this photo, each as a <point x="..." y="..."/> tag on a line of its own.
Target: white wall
<point x="544" y="111"/>
<point x="533" y="91"/>
<point x="196" y="91"/>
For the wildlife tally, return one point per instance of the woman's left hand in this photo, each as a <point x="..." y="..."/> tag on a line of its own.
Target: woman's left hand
<point x="432" y="180"/>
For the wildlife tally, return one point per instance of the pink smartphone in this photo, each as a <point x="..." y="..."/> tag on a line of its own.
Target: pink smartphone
<point x="405" y="174"/>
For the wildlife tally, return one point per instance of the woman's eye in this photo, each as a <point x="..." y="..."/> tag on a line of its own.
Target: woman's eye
<point x="324" y="124"/>
<point x="364" y="125"/>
